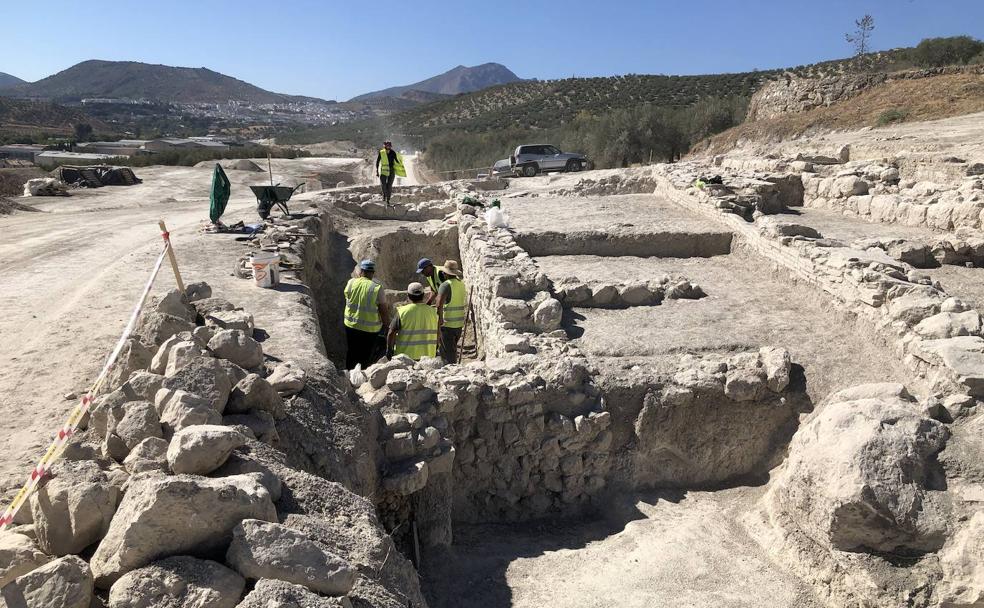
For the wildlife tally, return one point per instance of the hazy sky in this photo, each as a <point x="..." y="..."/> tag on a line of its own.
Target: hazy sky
<point x="337" y="50"/>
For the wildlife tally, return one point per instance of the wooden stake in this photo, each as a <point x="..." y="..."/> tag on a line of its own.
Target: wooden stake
<point x="464" y="328"/>
<point x="270" y="167"/>
<point x="171" y="257"/>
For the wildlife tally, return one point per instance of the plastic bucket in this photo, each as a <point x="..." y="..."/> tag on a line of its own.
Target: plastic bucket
<point x="266" y="269"/>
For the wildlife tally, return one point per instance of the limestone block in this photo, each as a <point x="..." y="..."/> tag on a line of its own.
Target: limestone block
<point x="858" y="478"/>
<point x="65" y="583"/>
<point x="237" y="346"/>
<point x="161" y="516"/>
<point x="73" y="508"/>
<point x="201" y="449"/>
<point x="262" y="550"/>
<point x="179" y="582"/>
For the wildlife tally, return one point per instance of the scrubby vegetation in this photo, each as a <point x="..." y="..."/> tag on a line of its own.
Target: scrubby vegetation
<point x="193" y="156"/>
<point x="955" y="50"/>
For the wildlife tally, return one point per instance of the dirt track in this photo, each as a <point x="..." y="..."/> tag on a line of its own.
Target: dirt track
<point x="70" y="277"/>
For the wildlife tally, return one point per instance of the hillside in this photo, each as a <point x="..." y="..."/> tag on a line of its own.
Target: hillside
<point x="25" y="116"/>
<point x="903" y="97"/>
<point x="134" y="80"/>
<point x="460" y="79"/>
<point x="7" y="80"/>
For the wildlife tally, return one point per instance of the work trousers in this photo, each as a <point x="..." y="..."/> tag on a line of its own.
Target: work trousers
<point x="449" y="343"/>
<point x="361" y="345"/>
<point x="387" y="183"/>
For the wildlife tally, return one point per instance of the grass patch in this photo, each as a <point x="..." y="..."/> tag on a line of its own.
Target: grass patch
<point x="892" y="116"/>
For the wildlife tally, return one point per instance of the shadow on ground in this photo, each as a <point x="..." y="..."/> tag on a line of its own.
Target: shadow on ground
<point x="472" y="572"/>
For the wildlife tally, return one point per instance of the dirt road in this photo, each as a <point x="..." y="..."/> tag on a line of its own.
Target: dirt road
<point x="70" y="276"/>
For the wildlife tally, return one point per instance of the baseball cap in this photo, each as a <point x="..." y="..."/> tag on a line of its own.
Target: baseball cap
<point x="423" y="263"/>
<point x="367" y="265"/>
<point x="415" y="289"/>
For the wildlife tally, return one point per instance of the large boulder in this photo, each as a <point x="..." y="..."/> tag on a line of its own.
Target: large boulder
<point x="18" y="555"/>
<point x="178" y="582"/>
<point x="255" y="393"/>
<point x="237" y="346"/>
<point x="278" y="594"/>
<point x="201" y="449"/>
<point x="860" y="477"/>
<point x="74" y="507"/>
<point x="129" y="425"/>
<point x="134" y="356"/>
<point x="63" y="583"/>
<point x="547" y="315"/>
<point x="261" y="550"/>
<point x="176" y="304"/>
<point x="180" y="409"/>
<point x="156" y="327"/>
<point x="288" y="379"/>
<point x="205" y="377"/>
<point x="962" y="560"/>
<point x="181" y="515"/>
<point x="148" y="455"/>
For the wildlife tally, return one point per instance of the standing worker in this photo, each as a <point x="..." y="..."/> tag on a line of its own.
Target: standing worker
<point x="451" y="310"/>
<point x="389" y="164"/>
<point x="414" y="330"/>
<point x="434" y="276"/>
<point x="365" y="315"/>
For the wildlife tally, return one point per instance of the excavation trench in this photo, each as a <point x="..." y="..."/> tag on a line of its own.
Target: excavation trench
<point x="624" y="418"/>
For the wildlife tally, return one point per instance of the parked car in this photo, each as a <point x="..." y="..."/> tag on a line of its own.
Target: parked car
<point x="530" y="159"/>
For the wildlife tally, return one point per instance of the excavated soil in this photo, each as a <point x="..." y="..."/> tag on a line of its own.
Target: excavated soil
<point x="683" y="549"/>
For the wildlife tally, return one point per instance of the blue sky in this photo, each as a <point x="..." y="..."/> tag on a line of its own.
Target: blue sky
<point x="337" y="50"/>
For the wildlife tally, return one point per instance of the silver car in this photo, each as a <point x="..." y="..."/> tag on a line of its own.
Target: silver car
<point x="528" y="160"/>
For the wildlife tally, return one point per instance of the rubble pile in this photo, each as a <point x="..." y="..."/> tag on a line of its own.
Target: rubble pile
<point x="174" y="494"/>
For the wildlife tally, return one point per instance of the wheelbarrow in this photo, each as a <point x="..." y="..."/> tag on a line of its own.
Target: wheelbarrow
<point x="268" y="196"/>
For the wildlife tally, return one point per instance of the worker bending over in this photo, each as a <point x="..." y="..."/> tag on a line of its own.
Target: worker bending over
<point x="389" y="164"/>
<point x="451" y="310"/>
<point x="434" y="275"/>
<point x="414" y="329"/>
<point x="365" y="315"/>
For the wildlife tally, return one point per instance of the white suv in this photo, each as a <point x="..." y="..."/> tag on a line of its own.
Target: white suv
<point x="528" y="160"/>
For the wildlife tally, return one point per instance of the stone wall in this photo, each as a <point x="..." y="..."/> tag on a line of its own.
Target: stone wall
<point x="915" y="315"/>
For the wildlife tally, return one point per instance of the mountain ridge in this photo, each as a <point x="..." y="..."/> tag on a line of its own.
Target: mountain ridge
<point x="97" y="78"/>
<point x="7" y="80"/>
<point x="459" y="79"/>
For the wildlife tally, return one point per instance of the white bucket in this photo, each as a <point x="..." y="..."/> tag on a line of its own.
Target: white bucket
<point x="266" y="268"/>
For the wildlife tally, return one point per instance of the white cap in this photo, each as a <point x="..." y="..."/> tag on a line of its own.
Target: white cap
<point x="415" y="289"/>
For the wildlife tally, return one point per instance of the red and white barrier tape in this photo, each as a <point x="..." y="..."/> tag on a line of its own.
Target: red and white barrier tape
<point x="71" y="425"/>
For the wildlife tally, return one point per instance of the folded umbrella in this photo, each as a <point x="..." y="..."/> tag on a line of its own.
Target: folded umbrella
<point x="221" y="189"/>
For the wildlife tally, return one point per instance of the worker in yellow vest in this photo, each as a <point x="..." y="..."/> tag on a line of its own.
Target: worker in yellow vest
<point x="414" y="330"/>
<point x="389" y="164"/>
<point x="365" y="315"/>
<point x="451" y="302"/>
<point x="434" y="275"/>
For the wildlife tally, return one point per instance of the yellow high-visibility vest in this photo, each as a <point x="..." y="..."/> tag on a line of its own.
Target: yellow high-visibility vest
<point x="362" y="305"/>
<point x="418" y="331"/>
<point x="384" y="164"/>
<point x="436" y="278"/>
<point x="454" y="308"/>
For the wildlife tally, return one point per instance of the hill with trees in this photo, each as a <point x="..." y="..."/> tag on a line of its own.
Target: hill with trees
<point x="617" y="120"/>
<point x="135" y="80"/>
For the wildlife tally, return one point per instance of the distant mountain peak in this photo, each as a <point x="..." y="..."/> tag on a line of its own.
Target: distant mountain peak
<point x="7" y="80"/>
<point x="459" y="79"/>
